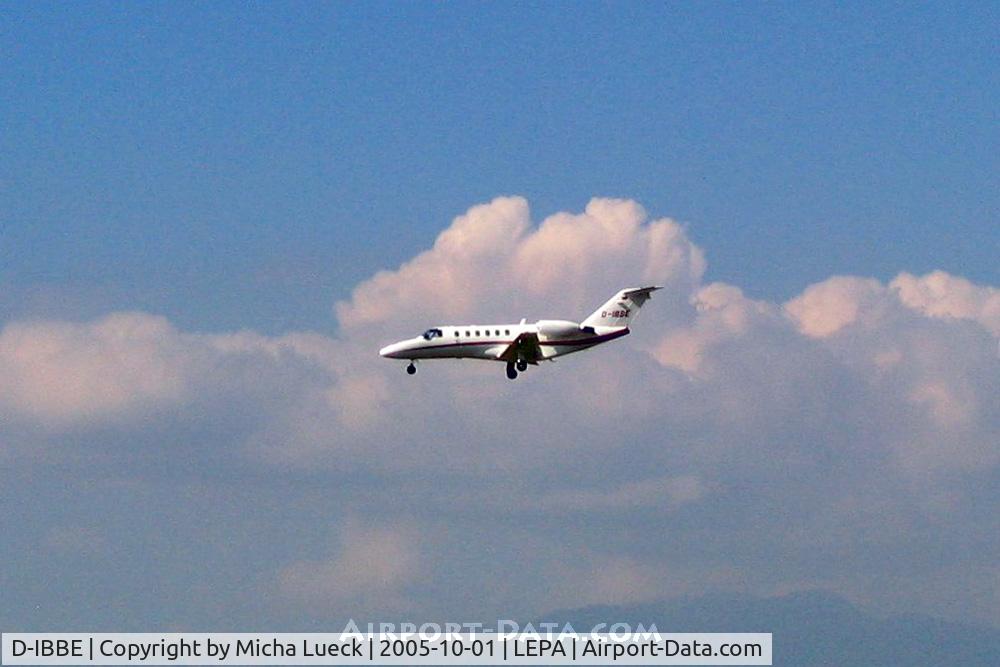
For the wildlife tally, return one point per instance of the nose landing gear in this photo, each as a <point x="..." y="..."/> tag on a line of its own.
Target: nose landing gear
<point x="411" y="369"/>
<point x="522" y="365"/>
<point x="511" y="371"/>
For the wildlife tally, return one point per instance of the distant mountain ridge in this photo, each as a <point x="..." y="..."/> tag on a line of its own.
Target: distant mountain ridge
<point x="809" y="629"/>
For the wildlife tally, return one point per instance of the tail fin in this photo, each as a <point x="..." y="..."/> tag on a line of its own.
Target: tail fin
<point x="621" y="308"/>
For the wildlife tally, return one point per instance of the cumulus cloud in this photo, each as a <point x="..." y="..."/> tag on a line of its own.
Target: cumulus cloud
<point x="727" y="441"/>
<point x="63" y="372"/>
<point x="827" y="307"/>
<point x="939" y="294"/>
<point x="492" y="263"/>
<point x="133" y="383"/>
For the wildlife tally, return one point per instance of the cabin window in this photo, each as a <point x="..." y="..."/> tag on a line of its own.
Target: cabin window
<point x="497" y="332"/>
<point x="467" y="333"/>
<point x="506" y="332"/>
<point x="430" y="334"/>
<point x="456" y="333"/>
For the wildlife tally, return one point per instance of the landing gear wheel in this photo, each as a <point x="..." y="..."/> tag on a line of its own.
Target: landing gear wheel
<point x="522" y="365"/>
<point x="411" y="369"/>
<point x="511" y="371"/>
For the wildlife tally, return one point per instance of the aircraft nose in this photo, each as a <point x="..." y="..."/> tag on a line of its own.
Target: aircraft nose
<point x="391" y="351"/>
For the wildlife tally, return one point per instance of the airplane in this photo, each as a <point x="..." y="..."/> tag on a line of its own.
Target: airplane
<point x="521" y="345"/>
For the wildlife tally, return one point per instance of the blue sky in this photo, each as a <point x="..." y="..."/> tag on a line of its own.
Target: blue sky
<point x="212" y="215"/>
<point x="243" y="166"/>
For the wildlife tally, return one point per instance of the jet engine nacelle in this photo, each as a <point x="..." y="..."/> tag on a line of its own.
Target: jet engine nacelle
<point x="558" y="328"/>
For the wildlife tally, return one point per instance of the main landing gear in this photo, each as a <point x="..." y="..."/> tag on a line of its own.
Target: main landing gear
<point x="411" y="369"/>
<point x="514" y="366"/>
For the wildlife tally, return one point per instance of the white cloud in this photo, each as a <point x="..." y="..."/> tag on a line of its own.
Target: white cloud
<point x="939" y="294"/>
<point x="827" y="307"/>
<point x="447" y="280"/>
<point x="723" y="314"/>
<point x="61" y="372"/>
<point x="491" y="263"/>
<point x="766" y="419"/>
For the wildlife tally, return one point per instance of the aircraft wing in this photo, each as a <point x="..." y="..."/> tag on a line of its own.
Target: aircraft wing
<point x="524" y="347"/>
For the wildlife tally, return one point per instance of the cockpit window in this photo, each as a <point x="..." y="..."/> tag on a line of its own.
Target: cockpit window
<point x="432" y="333"/>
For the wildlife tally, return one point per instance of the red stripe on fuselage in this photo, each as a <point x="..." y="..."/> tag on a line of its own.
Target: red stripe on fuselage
<point x="576" y="341"/>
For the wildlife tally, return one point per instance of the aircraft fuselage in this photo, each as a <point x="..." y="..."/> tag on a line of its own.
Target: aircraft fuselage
<point x="519" y="345"/>
<point x="482" y="341"/>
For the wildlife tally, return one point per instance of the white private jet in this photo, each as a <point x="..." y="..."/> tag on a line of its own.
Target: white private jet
<point x="521" y="344"/>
